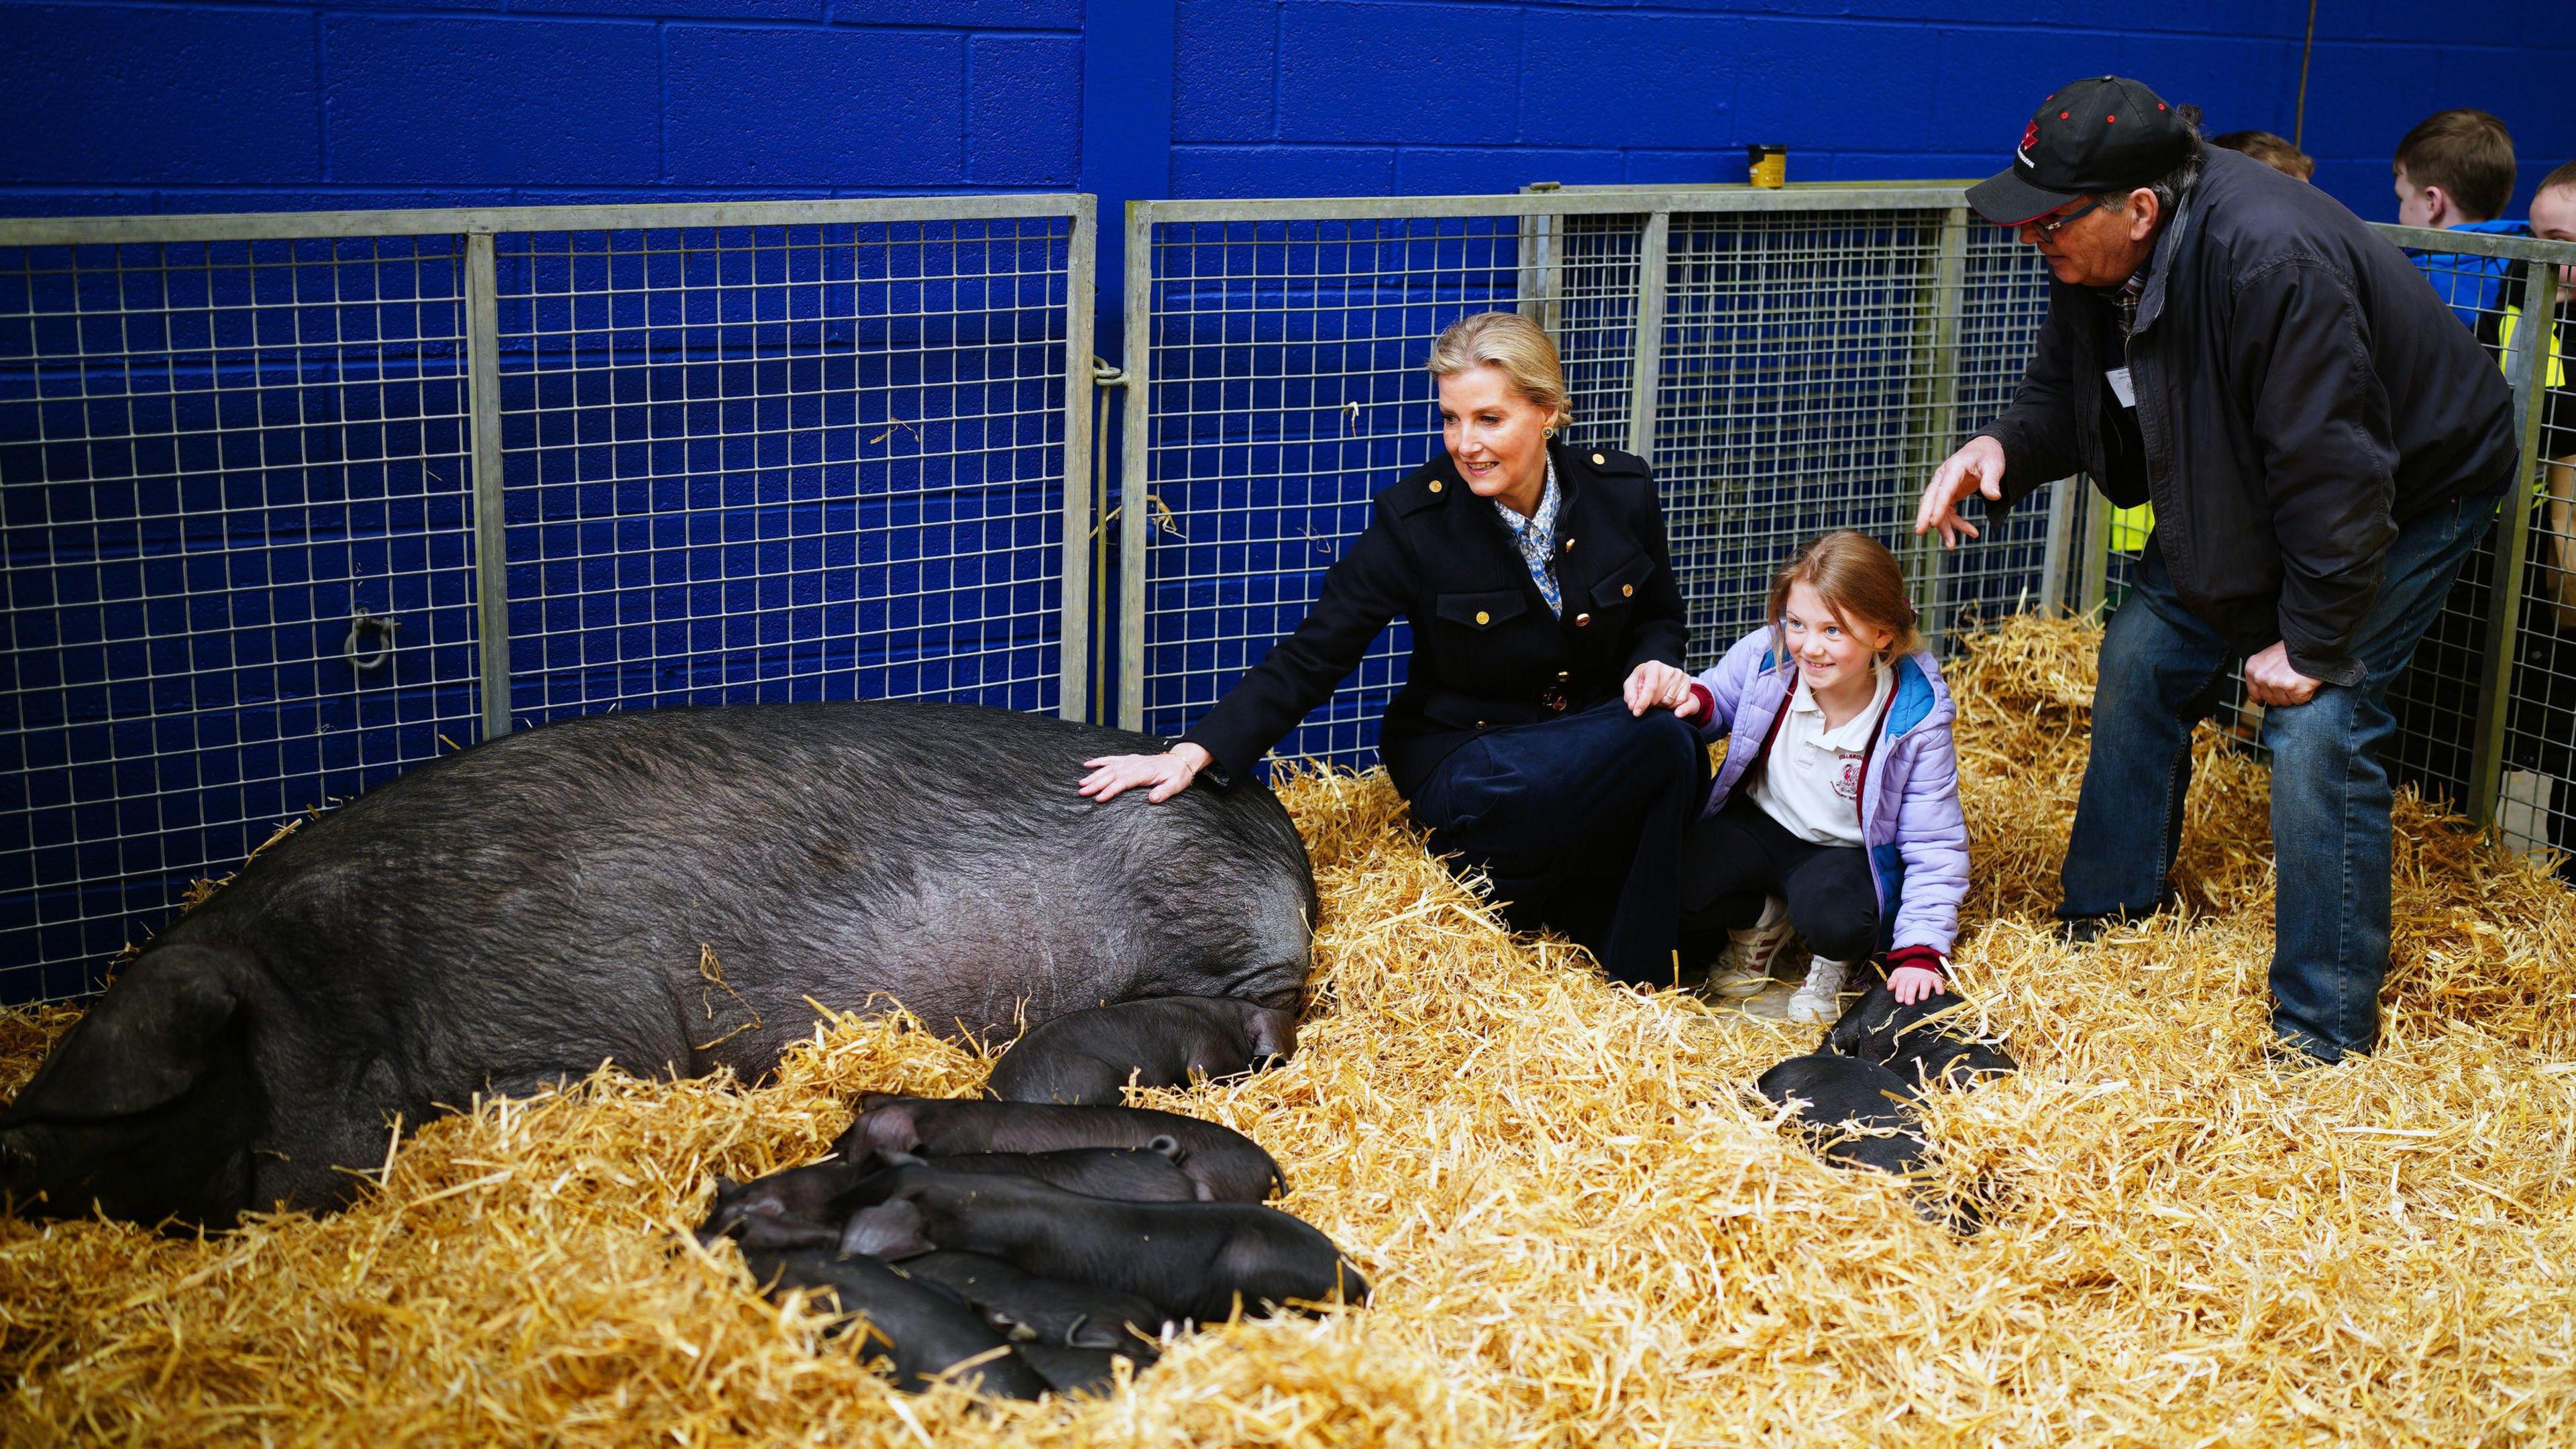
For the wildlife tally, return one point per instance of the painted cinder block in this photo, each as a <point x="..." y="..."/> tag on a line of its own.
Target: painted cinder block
<point x="1282" y="170"/>
<point x="1878" y="94"/>
<point x="477" y="101"/>
<point x="1606" y="79"/>
<point x="181" y="200"/>
<point x="1225" y="59"/>
<point x="111" y="95"/>
<point x="2238" y="84"/>
<point x="1386" y="73"/>
<point x="1991" y="80"/>
<point x="1473" y="170"/>
<point x="963" y="14"/>
<point x="1697" y="167"/>
<point x="810" y="10"/>
<point x="814" y="107"/>
<point x="1024" y="111"/>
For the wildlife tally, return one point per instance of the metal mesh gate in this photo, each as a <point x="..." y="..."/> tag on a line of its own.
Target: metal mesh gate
<point x="249" y="466"/>
<point x="1803" y="360"/>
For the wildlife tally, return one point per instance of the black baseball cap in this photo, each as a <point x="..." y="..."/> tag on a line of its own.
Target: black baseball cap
<point x="2103" y="133"/>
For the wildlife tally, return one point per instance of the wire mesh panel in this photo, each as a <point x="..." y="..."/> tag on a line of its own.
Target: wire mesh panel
<point x="1790" y="399"/>
<point x="2539" y="787"/>
<point x="1590" y="285"/>
<point x="2534" y="338"/>
<point x="2437" y="700"/>
<point x="234" y="489"/>
<point x="798" y="462"/>
<point x="1285" y="388"/>
<point x="2026" y="563"/>
<point x="1806" y="364"/>
<point x="251" y="469"/>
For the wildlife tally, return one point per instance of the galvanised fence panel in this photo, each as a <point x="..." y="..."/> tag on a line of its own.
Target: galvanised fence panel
<point x="1283" y="388"/>
<point x="250" y="469"/>
<point x="2487" y="710"/>
<point x="234" y="484"/>
<point x="1790" y="361"/>
<point x="787" y="462"/>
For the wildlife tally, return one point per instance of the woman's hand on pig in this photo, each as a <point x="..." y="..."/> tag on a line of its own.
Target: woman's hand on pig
<point x="1167" y="774"/>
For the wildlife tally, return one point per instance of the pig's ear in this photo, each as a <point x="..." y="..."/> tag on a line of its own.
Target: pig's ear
<point x="888" y="1230"/>
<point x="157" y="1030"/>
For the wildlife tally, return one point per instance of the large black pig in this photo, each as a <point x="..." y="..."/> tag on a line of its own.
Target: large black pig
<point x="663" y="889"/>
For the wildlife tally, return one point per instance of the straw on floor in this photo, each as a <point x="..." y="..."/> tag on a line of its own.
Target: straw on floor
<point x="1579" y="1229"/>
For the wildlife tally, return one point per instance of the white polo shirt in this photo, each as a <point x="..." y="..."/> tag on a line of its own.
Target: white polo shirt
<point x="1811" y="780"/>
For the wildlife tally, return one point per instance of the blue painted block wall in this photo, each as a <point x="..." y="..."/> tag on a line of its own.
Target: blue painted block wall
<point x="1424" y="96"/>
<point x="117" y="107"/>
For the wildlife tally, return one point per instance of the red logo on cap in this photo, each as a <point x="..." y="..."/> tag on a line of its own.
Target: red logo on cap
<point x="2030" y="135"/>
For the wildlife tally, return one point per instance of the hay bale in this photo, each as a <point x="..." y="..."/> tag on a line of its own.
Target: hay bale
<point x="1579" y="1230"/>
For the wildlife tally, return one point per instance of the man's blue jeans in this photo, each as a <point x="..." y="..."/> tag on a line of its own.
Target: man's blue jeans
<point x="2161" y="671"/>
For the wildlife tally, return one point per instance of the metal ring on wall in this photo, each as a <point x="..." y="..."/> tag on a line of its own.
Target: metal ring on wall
<point x="382" y="627"/>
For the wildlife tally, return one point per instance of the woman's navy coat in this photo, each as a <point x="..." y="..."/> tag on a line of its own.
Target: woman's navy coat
<point x="1486" y="652"/>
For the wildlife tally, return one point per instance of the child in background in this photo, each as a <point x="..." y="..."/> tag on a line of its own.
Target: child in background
<point x="2434" y="701"/>
<point x="2273" y="151"/>
<point x="2455" y="173"/>
<point x="1836" y="814"/>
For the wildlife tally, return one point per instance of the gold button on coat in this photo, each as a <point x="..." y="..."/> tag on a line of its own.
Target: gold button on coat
<point x="1483" y="618"/>
<point x="1435" y="485"/>
<point x="1627" y="590"/>
<point x="1582" y="619"/>
<point x="1599" y="459"/>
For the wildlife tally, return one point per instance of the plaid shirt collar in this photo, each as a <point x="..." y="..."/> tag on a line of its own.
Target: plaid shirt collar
<point x="2123" y="299"/>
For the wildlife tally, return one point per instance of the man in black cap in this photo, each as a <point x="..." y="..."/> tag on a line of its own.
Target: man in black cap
<point x="2323" y="443"/>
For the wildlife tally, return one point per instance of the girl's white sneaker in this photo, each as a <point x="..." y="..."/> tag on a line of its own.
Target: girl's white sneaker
<point x="1821" y="998"/>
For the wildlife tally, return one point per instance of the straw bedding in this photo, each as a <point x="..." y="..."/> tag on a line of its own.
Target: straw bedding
<point x="1579" y="1230"/>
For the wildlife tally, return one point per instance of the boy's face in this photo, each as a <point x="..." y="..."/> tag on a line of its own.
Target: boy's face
<point x="2422" y="205"/>
<point x="2553" y="216"/>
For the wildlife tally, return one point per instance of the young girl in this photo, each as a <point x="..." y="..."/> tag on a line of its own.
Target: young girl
<point x="1836" y="814"/>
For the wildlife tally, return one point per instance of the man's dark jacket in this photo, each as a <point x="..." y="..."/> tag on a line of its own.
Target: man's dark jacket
<point x="1486" y="652"/>
<point x="2301" y="392"/>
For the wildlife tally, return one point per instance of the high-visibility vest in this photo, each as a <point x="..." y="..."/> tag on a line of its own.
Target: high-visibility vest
<point x="2505" y="328"/>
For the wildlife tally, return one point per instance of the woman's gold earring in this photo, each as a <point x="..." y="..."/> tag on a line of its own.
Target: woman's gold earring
<point x="1549" y="433"/>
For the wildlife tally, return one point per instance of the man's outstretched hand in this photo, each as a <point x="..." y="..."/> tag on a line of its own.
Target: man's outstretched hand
<point x="1976" y="468"/>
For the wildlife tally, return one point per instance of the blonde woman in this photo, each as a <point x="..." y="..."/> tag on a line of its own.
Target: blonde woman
<point x="1534" y="736"/>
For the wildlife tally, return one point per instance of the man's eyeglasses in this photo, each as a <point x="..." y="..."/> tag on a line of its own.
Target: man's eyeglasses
<point x="2051" y="226"/>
